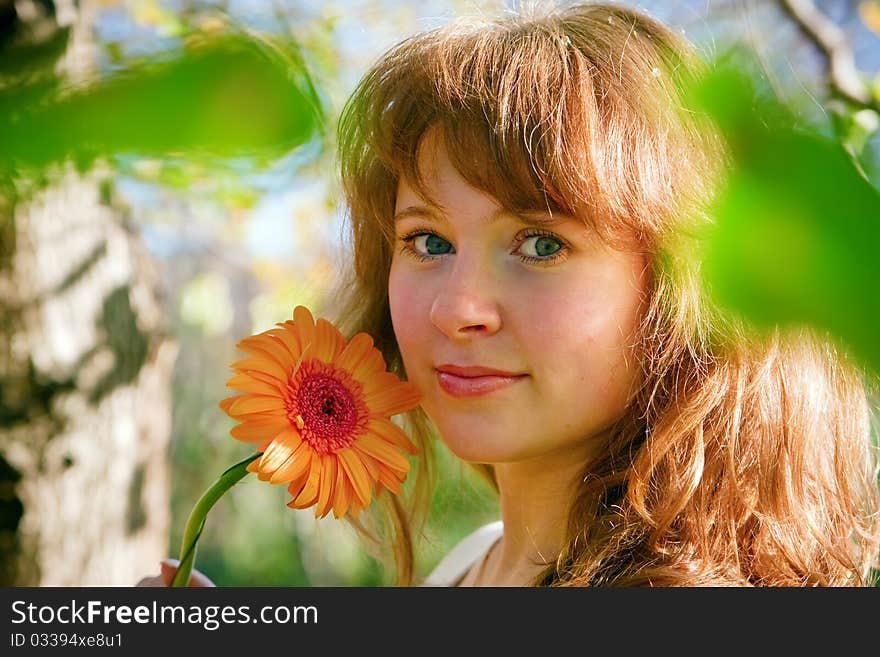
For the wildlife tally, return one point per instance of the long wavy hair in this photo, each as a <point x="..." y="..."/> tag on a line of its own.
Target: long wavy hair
<point x="741" y="458"/>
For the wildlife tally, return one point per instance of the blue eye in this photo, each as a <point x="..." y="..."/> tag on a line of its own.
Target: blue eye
<point x="543" y="246"/>
<point x="430" y="244"/>
<point x="424" y="246"/>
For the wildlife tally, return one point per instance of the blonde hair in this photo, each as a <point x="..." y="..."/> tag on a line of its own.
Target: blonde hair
<point x="741" y="459"/>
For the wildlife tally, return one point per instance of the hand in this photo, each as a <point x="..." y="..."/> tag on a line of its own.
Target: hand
<point x="167" y="569"/>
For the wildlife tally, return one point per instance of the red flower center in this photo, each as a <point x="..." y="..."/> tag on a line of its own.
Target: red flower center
<point x="325" y="407"/>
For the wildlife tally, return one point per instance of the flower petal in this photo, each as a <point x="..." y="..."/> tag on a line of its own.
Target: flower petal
<point x="382" y="451"/>
<point x="294" y="467"/>
<point x="371" y="465"/>
<point x="247" y="383"/>
<point x="371" y="363"/>
<point x="355" y="351"/>
<point x="265" y="416"/>
<point x="287" y="336"/>
<point x="357" y="474"/>
<point x="389" y="480"/>
<point x="389" y="431"/>
<point x="277" y="453"/>
<point x="296" y="485"/>
<point x="254" y="404"/>
<point x="380" y="381"/>
<point x="342" y="492"/>
<point x="305" y="327"/>
<point x="268" y="379"/>
<point x="264" y="365"/>
<point x="265" y="346"/>
<point x="328" y="341"/>
<point x="258" y="431"/>
<point x="394" y="399"/>
<point x="328" y="482"/>
<point x="227" y="403"/>
<point x="309" y="493"/>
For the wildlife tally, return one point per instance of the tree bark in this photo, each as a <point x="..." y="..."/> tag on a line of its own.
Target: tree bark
<point x="85" y="371"/>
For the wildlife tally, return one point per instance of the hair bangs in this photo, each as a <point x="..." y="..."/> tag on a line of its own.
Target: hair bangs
<point x="530" y="115"/>
<point x="501" y="100"/>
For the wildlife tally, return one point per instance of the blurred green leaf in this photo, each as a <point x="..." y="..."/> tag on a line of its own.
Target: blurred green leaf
<point x="797" y="230"/>
<point x="228" y="96"/>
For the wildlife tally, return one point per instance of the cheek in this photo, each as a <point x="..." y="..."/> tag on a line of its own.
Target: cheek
<point x="591" y="329"/>
<point x="406" y="300"/>
<point x="578" y="320"/>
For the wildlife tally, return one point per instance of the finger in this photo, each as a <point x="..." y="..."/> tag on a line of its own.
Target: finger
<point x="196" y="579"/>
<point x="155" y="580"/>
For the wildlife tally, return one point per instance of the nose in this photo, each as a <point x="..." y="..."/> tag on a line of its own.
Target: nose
<point x="465" y="306"/>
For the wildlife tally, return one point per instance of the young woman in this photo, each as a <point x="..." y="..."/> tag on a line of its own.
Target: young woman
<point x="525" y="198"/>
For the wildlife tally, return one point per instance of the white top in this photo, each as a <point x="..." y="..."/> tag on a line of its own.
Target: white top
<point x="464" y="555"/>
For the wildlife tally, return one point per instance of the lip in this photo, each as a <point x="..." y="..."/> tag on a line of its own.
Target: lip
<point x="473" y="370"/>
<point x="474" y="380"/>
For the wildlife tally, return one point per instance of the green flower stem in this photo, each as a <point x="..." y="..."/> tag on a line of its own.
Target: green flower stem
<point x="196" y="521"/>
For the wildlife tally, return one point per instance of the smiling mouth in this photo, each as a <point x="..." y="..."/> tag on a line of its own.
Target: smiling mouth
<point x="475" y="386"/>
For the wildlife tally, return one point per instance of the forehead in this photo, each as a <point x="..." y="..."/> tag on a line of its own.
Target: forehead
<point x="434" y="170"/>
<point x="449" y="160"/>
<point x="443" y="191"/>
<point x="440" y="175"/>
<point x="449" y="151"/>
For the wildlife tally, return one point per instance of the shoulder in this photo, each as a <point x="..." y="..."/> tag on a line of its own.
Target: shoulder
<point x="464" y="554"/>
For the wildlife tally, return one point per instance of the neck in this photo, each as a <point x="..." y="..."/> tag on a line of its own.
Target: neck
<point x="536" y="497"/>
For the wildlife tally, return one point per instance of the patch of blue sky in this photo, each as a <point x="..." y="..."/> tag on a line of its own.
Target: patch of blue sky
<point x="161" y="242"/>
<point x="265" y="16"/>
<point x="282" y="172"/>
<point x="295" y="223"/>
<point x="136" y="192"/>
<point x="115" y="25"/>
<point x="270" y="232"/>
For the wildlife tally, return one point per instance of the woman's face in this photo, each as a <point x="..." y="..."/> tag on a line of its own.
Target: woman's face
<point x="515" y="331"/>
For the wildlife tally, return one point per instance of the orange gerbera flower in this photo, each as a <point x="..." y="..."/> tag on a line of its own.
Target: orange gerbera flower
<point x="320" y="410"/>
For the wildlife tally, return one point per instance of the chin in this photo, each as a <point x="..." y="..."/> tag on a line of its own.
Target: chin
<point x="477" y="448"/>
<point x="478" y="436"/>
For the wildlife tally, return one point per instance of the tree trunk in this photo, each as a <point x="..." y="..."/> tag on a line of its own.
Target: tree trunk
<point x="85" y="373"/>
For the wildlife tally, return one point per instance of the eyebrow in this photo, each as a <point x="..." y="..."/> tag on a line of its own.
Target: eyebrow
<point x="436" y="214"/>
